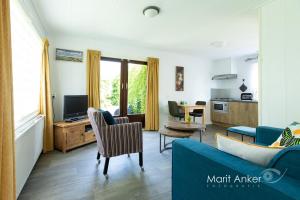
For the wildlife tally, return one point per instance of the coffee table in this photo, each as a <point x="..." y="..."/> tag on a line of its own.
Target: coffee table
<point x="178" y="129"/>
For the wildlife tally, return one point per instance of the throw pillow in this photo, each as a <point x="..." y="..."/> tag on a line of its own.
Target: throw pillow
<point x="289" y="137"/>
<point x="260" y="155"/>
<point x="109" y="119"/>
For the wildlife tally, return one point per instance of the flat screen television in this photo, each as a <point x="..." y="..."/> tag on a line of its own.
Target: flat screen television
<point x="75" y="106"/>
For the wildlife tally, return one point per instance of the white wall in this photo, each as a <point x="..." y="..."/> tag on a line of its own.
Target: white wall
<point x="244" y="70"/>
<point x="28" y="149"/>
<point x="70" y="77"/>
<point x="280" y="63"/>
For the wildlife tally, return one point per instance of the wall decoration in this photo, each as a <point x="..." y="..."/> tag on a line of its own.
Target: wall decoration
<point x="243" y="87"/>
<point x="179" y="78"/>
<point x="69" y="55"/>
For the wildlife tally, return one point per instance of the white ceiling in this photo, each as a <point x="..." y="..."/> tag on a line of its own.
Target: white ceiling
<point x="185" y="26"/>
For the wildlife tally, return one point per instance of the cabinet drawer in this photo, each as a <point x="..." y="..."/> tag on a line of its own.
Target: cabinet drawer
<point x="75" y="136"/>
<point x="89" y="136"/>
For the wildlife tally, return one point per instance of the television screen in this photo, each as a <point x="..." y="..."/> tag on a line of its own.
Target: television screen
<point x="75" y="106"/>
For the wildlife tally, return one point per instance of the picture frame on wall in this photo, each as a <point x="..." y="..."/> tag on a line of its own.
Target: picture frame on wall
<point x="179" y="78"/>
<point x="68" y="55"/>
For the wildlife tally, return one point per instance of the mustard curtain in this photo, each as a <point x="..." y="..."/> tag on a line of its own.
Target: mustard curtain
<point x="152" y="106"/>
<point x="7" y="141"/>
<point x="93" y="78"/>
<point x="46" y="99"/>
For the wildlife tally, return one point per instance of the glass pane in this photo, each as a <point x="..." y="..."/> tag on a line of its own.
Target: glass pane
<point x="26" y="63"/>
<point x="136" y="88"/>
<point x="110" y="74"/>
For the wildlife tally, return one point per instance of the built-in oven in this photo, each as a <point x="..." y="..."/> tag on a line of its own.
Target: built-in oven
<point x="220" y="106"/>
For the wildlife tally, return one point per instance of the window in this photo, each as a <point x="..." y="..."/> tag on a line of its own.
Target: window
<point x="26" y="64"/>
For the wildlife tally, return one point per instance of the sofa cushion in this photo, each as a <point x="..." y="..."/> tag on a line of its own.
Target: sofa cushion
<point x="254" y="153"/>
<point x="289" y="137"/>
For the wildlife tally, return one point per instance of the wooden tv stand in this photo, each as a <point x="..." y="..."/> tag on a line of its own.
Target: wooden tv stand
<point x="69" y="135"/>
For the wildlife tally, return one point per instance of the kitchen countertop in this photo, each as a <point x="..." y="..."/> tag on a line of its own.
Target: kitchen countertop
<point x="236" y="100"/>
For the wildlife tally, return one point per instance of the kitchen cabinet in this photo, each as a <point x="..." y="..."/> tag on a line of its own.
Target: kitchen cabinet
<point x="220" y="117"/>
<point x="239" y="113"/>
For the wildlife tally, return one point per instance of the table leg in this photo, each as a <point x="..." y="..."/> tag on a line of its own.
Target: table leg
<point x="203" y="117"/>
<point x="200" y="135"/>
<point x="186" y="113"/>
<point x="159" y="143"/>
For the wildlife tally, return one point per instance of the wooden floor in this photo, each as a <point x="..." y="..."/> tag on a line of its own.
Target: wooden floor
<point x="75" y="175"/>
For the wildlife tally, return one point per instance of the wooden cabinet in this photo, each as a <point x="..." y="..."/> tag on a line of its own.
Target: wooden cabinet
<point x="70" y="135"/>
<point x="245" y="114"/>
<point x="220" y="117"/>
<point x="240" y="113"/>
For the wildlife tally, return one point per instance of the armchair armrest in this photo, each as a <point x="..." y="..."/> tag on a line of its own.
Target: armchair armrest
<point x="121" y="120"/>
<point x="267" y="135"/>
<point x="123" y="138"/>
<point x="287" y="161"/>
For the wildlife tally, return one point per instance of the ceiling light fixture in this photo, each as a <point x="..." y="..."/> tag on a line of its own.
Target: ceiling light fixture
<point x="151" y="11"/>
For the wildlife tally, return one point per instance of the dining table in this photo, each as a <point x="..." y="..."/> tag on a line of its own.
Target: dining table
<point x="187" y="108"/>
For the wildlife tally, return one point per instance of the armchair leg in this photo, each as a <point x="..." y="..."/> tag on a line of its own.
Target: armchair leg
<point x="141" y="160"/>
<point x="106" y="166"/>
<point x="98" y="157"/>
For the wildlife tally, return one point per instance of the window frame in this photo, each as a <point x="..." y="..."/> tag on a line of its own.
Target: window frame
<point x="25" y="121"/>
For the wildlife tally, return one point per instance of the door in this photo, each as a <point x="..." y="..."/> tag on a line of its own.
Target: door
<point x="110" y="79"/>
<point x="123" y="88"/>
<point x="136" y="91"/>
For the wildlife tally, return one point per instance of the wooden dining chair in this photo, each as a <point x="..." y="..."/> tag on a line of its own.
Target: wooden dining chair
<point x="197" y="112"/>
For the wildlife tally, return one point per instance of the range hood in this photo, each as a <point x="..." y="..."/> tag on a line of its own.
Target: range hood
<point x="224" y="76"/>
<point x="224" y="69"/>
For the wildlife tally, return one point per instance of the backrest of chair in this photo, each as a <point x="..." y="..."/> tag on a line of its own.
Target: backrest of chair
<point x="199" y="103"/>
<point x="173" y="108"/>
<point x="97" y="121"/>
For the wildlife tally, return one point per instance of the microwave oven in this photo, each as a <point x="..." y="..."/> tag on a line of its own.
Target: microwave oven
<point x="220" y="106"/>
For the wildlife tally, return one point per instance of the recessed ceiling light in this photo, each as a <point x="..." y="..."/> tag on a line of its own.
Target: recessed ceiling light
<point x="218" y="44"/>
<point x="151" y="11"/>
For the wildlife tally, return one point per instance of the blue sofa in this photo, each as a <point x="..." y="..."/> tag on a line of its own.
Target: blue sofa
<point x="194" y="166"/>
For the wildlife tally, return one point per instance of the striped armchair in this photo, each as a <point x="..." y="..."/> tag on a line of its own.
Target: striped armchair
<point x="114" y="140"/>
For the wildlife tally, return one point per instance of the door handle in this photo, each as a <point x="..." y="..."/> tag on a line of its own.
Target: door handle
<point x="122" y="86"/>
<point x="126" y="86"/>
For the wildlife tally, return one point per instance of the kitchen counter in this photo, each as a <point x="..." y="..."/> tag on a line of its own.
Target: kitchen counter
<point x="238" y="113"/>
<point x="243" y="101"/>
<point x="235" y="100"/>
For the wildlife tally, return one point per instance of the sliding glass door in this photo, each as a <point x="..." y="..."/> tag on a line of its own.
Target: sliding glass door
<point x="123" y="87"/>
